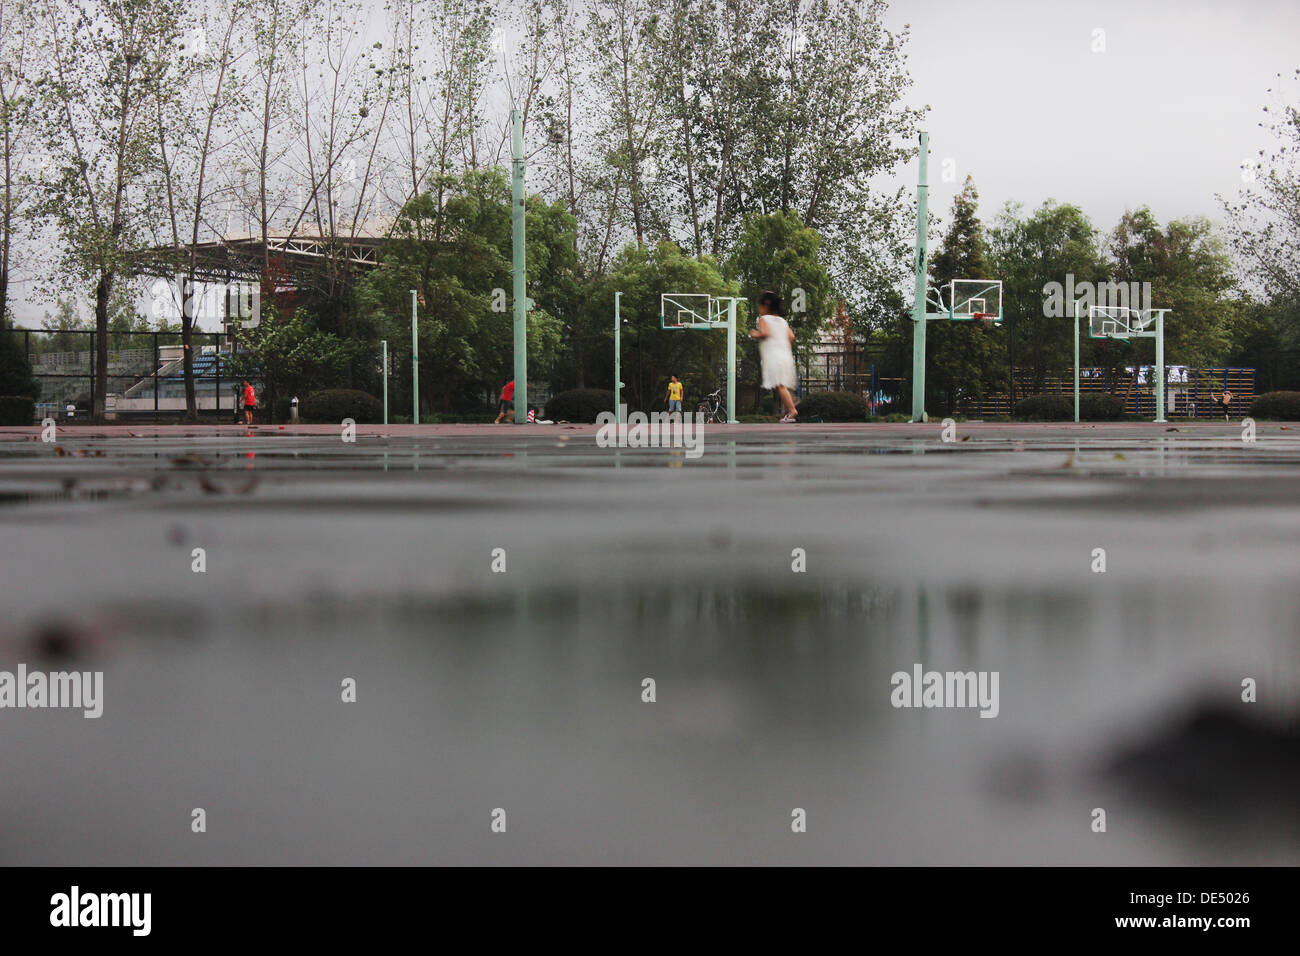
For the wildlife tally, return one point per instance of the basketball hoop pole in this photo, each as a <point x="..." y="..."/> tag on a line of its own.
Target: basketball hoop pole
<point x="918" y="300"/>
<point x="731" y="361"/>
<point x="1160" y="366"/>
<point x="618" y="381"/>
<point x="520" y="284"/>
<point x="1076" y="362"/>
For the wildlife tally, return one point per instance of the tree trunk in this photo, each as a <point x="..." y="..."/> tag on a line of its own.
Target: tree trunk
<point x="103" y="289"/>
<point x="188" y="308"/>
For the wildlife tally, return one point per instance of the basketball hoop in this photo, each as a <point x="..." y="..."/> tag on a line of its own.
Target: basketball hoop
<point x="988" y="318"/>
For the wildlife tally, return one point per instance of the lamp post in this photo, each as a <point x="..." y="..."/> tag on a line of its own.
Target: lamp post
<point x="415" y="366"/>
<point x="384" y="345"/>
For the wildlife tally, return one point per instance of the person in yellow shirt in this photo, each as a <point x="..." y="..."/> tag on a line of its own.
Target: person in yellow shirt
<point x="675" y="390"/>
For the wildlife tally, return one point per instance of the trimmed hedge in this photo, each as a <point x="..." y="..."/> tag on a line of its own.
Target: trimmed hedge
<point x="579" y="405"/>
<point x="1044" y="408"/>
<point x="16" y="410"/>
<point x="1060" y="408"/>
<point x="1279" y="406"/>
<point x="331" y="406"/>
<point x="833" y="407"/>
<point x="1099" y="408"/>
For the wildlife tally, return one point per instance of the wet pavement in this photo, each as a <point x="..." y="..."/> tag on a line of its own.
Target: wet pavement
<point x="500" y="596"/>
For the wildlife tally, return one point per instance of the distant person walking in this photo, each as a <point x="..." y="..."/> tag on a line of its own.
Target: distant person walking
<point x="775" y="350"/>
<point x="675" y="390"/>
<point x="250" y="402"/>
<point x="507" y="401"/>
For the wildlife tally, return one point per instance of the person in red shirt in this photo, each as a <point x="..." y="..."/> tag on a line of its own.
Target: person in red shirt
<point x="507" y="401"/>
<point x="250" y="403"/>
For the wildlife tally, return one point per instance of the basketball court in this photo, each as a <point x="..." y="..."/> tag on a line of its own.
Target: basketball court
<point x="521" y="688"/>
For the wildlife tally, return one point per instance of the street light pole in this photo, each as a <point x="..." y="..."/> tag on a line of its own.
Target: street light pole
<point x="521" y="302"/>
<point x="384" y="344"/>
<point x="415" y="366"/>
<point x="918" y="299"/>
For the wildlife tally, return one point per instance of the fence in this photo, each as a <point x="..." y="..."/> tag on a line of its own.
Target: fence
<point x="1189" y="392"/>
<point x="146" y="374"/>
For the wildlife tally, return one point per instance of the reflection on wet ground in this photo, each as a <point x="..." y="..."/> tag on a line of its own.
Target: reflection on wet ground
<point x="522" y="688"/>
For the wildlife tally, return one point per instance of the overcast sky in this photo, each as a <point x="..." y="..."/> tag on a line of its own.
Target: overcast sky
<point x="1109" y="105"/>
<point x="1163" y="117"/>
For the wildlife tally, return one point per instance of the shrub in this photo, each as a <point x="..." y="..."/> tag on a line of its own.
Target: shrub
<point x="331" y="406"/>
<point x="1060" y="408"/>
<point x="1280" y="406"/>
<point x="833" y="407"/>
<point x="579" y="405"/>
<point x="1098" y="408"/>
<point x="1045" y="408"/>
<point x="16" y="410"/>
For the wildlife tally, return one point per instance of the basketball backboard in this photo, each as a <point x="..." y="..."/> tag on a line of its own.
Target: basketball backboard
<point x="691" y="310"/>
<point x="1121" y="322"/>
<point x="975" y="299"/>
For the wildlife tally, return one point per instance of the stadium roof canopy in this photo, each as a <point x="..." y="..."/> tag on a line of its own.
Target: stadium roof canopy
<point x="242" y="255"/>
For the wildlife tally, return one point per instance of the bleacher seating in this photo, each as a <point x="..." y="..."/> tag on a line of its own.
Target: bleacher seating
<point x="1190" y="399"/>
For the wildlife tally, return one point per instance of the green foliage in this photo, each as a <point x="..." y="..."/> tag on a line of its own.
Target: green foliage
<point x="579" y="405"/>
<point x="833" y="407"/>
<point x="965" y="359"/>
<point x="778" y="252"/>
<point x="456" y="253"/>
<point x="1189" y="272"/>
<point x="332" y="405"/>
<point x="1046" y="408"/>
<point x="771" y="107"/>
<point x="652" y="354"/>
<point x="15" y="370"/>
<point x="1060" y="408"/>
<point x="16" y="410"/>
<point x="1278" y="406"/>
<point x="1028" y="253"/>
<point x="1099" y="408"/>
<point x="288" y="356"/>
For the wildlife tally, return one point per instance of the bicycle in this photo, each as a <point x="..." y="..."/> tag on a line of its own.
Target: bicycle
<point x="713" y="408"/>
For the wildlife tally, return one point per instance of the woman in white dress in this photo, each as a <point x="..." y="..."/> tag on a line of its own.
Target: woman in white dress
<point x="775" y="338"/>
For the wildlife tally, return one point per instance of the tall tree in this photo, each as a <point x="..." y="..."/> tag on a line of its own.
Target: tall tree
<point x="1265" y="219"/>
<point x="620" y="34"/>
<point x="105" y="63"/>
<point x="964" y="357"/>
<point x="19" y="65"/>
<point x="193" y="106"/>
<point x="1029" y="253"/>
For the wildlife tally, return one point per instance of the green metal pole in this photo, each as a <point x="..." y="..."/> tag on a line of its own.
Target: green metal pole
<point x="731" y="362"/>
<point x="520" y="279"/>
<point x="1076" y="361"/>
<point x="415" y="366"/>
<point x="1160" y="366"/>
<point x="384" y="343"/>
<point x="918" y="300"/>
<point x="618" y="380"/>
